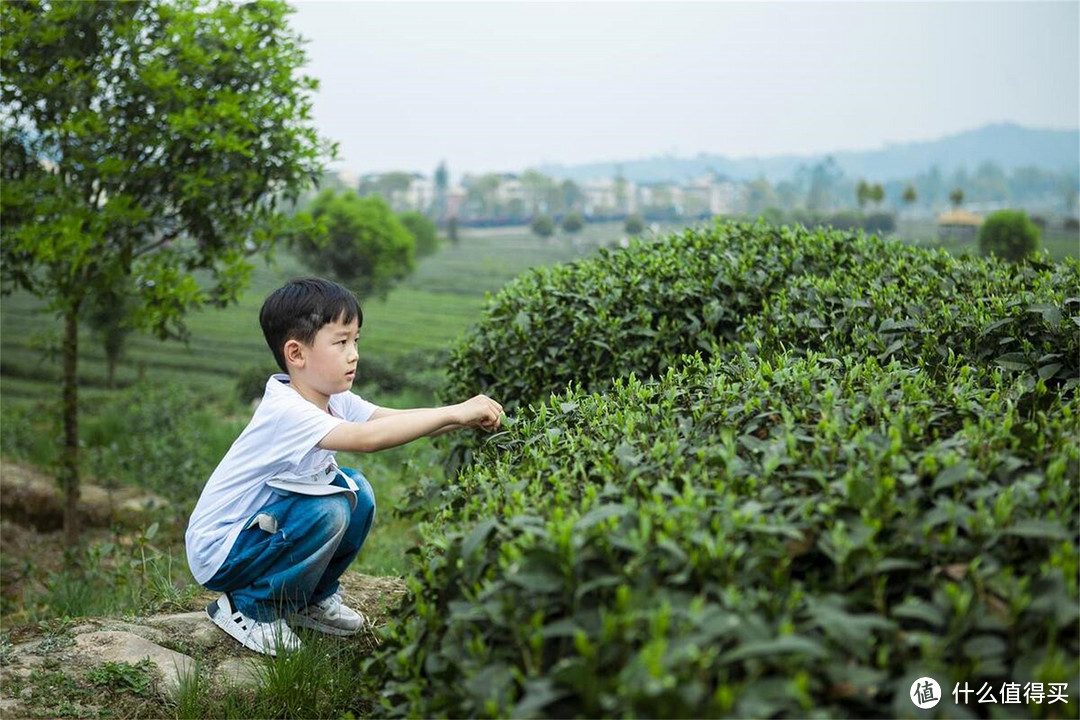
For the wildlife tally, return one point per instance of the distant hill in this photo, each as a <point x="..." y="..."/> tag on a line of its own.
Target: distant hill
<point x="1008" y="145"/>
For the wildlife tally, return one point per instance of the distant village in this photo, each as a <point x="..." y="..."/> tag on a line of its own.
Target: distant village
<point x="515" y="198"/>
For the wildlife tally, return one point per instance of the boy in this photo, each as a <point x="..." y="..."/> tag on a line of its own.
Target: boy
<point x="278" y="521"/>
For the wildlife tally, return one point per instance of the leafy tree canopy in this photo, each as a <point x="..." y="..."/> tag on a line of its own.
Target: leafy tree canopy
<point x="145" y="147"/>
<point x="423" y="231"/>
<point x="364" y="246"/>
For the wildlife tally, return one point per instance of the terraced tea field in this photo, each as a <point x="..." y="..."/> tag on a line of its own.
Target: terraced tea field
<point x="427" y="311"/>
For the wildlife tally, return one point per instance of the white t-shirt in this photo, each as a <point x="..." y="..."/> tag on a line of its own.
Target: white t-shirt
<point x="281" y="441"/>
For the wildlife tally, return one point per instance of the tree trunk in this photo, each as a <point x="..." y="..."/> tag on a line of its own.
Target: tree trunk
<point x="69" y="477"/>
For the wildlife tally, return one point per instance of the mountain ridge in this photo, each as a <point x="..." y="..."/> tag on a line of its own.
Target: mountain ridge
<point x="1009" y="145"/>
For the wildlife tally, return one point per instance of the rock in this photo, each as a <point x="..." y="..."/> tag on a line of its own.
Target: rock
<point x="30" y="497"/>
<point x="118" y="646"/>
<point x="195" y="627"/>
<point x="146" y="633"/>
<point x="238" y="672"/>
<point x="8" y="706"/>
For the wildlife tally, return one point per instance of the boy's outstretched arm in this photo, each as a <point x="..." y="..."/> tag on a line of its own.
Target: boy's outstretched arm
<point x="387" y="412"/>
<point x="392" y="429"/>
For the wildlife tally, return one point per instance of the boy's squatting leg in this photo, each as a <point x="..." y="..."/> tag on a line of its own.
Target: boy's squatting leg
<point x="294" y="550"/>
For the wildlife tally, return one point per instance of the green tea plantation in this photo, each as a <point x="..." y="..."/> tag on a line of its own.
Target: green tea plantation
<point x="756" y="472"/>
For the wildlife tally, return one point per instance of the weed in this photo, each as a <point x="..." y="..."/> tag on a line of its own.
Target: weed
<point x="123" y="677"/>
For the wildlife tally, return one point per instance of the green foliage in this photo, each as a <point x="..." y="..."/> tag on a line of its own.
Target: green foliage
<point x="157" y="436"/>
<point x="865" y="192"/>
<point x="634" y="225"/>
<point x="424" y="232"/>
<point x="542" y="226"/>
<point x="109" y="314"/>
<point x="251" y="382"/>
<point x="365" y="246"/>
<point x="750" y="538"/>
<point x="123" y="677"/>
<point x="956" y="197"/>
<point x="635" y="310"/>
<point x="93" y="192"/>
<point x="1010" y="235"/>
<point x="879" y="223"/>
<point x="129" y="575"/>
<point x="573" y="222"/>
<point x="848" y="463"/>
<point x="150" y="153"/>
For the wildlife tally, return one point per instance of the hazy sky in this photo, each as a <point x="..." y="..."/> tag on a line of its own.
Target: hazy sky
<point x="507" y="85"/>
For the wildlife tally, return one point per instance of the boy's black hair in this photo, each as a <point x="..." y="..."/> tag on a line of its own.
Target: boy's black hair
<point x="300" y="309"/>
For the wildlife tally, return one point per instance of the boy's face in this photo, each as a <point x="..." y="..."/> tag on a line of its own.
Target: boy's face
<point x="328" y="365"/>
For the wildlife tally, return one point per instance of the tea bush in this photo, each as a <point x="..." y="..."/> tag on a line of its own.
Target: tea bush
<point x="801" y="537"/>
<point x="635" y="310"/>
<point x="865" y="473"/>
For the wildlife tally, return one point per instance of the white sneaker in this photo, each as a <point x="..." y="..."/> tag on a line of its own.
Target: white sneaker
<point x="263" y="637"/>
<point x="329" y="616"/>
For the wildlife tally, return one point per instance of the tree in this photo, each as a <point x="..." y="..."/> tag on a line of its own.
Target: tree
<point x="877" y="194"/>
<point x="621" y="193"/>
<point x="759" y="195"/>
<point x="364" y="246"/>
<point x="824" y="177"/>
<point x="442" y="182"/>
<point x="634" y="225"/>
<point x="573" y="222"/>
<point x="109" y="313"/>
<point x="572" y="195"/>
<point x="862" y="193"/>
<point x="424" y="232"/>
<point x="452" y="230"/>
<point x="1010" y="235"/>
<point x="536" y="186"/>
<point x="956" y="197"/>
<point x="910" y="195"/>
<point x="542" y="226"/>
<point x="146" y="144"/>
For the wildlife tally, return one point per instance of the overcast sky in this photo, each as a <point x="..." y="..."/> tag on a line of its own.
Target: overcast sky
<point x="502" y="86"/>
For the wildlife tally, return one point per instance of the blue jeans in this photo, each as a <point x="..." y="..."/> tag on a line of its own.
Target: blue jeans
<point x="294" y="550"/>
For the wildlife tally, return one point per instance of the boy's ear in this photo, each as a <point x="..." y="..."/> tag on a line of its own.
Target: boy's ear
<point x="294" y="353"/>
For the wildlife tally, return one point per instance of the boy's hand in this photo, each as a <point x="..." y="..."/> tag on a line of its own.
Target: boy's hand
<point x="480" y="411"/>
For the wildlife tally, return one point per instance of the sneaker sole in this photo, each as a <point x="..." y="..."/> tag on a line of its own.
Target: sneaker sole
<point x="301" y="621"/>
<point x="218" y="617"/>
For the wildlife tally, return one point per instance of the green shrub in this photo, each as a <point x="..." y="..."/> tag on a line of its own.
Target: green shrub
<point x="160" y="437"/>
<point x="423" y="231"/>
<point x="634" y="225"/>
<point x="542" y="226"/>
<point x="866" y="474"/>
<point x="251" y="382"/>
<point x="1010" y="235"/>
<point x="635" y="310"/>
<point x="930" y="310"/>
<point x="750" y="539"/>
<point x="573" y="223"/>
<point x="879" y="223"/>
